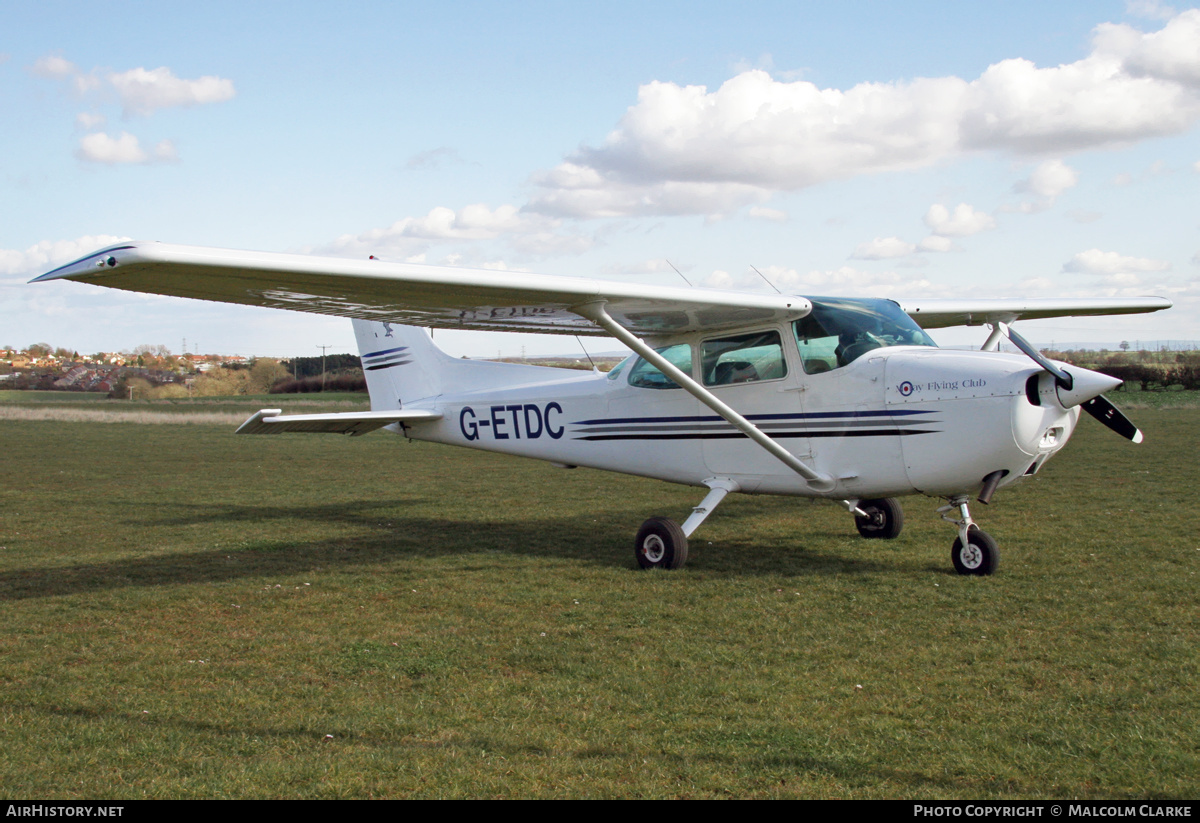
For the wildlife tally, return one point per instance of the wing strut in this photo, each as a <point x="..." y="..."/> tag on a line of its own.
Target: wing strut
<point x="598" y="315"/>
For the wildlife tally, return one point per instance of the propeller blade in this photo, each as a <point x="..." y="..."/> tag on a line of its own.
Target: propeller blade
<point x="1064" y="380"/>
<point x="1090" y="383"/>
<point x="1100" y="408"/>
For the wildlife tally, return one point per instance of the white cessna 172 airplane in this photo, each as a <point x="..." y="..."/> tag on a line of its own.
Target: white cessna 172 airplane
<point x="837" y="398"/>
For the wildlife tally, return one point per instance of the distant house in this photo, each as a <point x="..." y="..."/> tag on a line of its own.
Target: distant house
<point x="72" y="377"/>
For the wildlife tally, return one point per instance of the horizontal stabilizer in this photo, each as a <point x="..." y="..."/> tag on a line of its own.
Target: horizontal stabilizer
<point x="273" y="421"/>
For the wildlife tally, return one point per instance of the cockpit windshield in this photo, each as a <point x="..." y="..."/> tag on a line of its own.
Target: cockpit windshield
<point x="840" y="330"/>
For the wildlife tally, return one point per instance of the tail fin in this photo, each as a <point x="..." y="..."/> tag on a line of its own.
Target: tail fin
<point x="401" y="363"/>
<point x="404" y="366"/>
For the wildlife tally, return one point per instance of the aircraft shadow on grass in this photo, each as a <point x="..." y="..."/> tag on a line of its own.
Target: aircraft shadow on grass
<point x="400" y="539"/>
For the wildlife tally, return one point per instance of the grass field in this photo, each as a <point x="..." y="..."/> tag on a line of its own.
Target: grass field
<point x="189" y="614"/>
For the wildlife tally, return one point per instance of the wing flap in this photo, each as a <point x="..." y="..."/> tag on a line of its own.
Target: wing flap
<point x="273" y="421"/>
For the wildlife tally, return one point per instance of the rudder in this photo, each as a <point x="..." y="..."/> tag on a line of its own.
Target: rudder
<point x="401" y="363"/>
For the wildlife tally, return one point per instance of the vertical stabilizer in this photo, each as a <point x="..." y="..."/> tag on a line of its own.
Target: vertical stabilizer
<point x="403" y="366"/>
<point x="401" y="363"/>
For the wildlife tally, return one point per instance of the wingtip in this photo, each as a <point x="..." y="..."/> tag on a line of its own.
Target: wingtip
<point x="98" y="261"/>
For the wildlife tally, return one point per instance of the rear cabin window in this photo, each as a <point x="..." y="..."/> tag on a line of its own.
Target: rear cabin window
<point x="646" y="376"/>
<point x="744" y="358"/>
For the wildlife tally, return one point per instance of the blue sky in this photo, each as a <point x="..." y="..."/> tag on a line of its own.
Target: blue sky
<point x="917" y="149"/>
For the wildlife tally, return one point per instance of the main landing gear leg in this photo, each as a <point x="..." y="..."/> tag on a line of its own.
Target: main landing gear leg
<point x="662" y="544"/>
<point x="974" y="551"/>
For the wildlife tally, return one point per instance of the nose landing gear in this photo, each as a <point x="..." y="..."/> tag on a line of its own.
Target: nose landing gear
<point x="974" y="550"/>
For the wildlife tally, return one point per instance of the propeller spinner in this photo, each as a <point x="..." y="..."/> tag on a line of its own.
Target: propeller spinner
<point x="1081" y="388"/>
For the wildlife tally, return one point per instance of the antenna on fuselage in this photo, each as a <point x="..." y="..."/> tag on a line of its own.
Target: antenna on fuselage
<point x="585" y="353"/>
<point x="677" y="271"/>
<point x="765" y="280"/>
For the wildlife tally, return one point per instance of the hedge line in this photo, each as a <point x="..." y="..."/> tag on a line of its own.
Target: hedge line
<point x="1149" y="378"/>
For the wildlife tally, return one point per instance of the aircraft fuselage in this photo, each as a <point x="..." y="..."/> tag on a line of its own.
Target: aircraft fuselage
<point x="897" y="421"/>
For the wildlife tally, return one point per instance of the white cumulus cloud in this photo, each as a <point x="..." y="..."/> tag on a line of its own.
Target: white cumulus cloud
<point x="143" y="91"/>
<point x="1050" y="179"/>
<point x="89" y="120"/>
<point x="50" y="254"/>
<point x="1172" y="53"/>
<point x="691" y="150"/>
<point x="140" y="91"/>
<point x="945" y="225"/>
<point x="100" y="147"/>
<point x="883" y="248"/>
<point x="962" y="222"/>
<point x="52" y="65"/>
<point x="1094" y="261"/>
<point x="528" y="233"/>
<point x="59" y="68"/>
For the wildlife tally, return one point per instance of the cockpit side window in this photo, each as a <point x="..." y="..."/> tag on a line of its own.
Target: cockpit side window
<point x="745" y="358"/>
<point x="818" y="348"/>
<point x="645" y="376"/>
<point x="616" y="370"/>
<point x="838" y="332"/>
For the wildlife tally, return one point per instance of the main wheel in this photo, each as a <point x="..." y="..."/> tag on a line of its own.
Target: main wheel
<point x="980" y="556"/>
<point x="884" y="518"/>
<point x="661" y="544"/>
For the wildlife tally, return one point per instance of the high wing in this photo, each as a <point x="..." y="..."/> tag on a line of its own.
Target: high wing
<point x="937" y="314"/>
<point x="477" y="299"/>
<point x="418" y="295"/>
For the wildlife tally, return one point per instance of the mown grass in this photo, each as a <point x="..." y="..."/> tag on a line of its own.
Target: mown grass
<point x="90" y="407"/>
<point x="190" y="614"/>
<point x="1170" y="397"/>
<point x="324" y="399"/>
<point x="35" y="396"/>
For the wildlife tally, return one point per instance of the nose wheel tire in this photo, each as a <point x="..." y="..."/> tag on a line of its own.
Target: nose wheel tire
<point x="884" y="518"/>
<point x="661" y="544"/>
<point x="980" y="556"/>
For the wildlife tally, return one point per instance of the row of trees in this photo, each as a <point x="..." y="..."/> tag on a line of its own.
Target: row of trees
<point x="1144" y="377"/>
<point x="264" y="376"/>
<point x="145" y="356"/>
<point x="1141" y="370"/>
